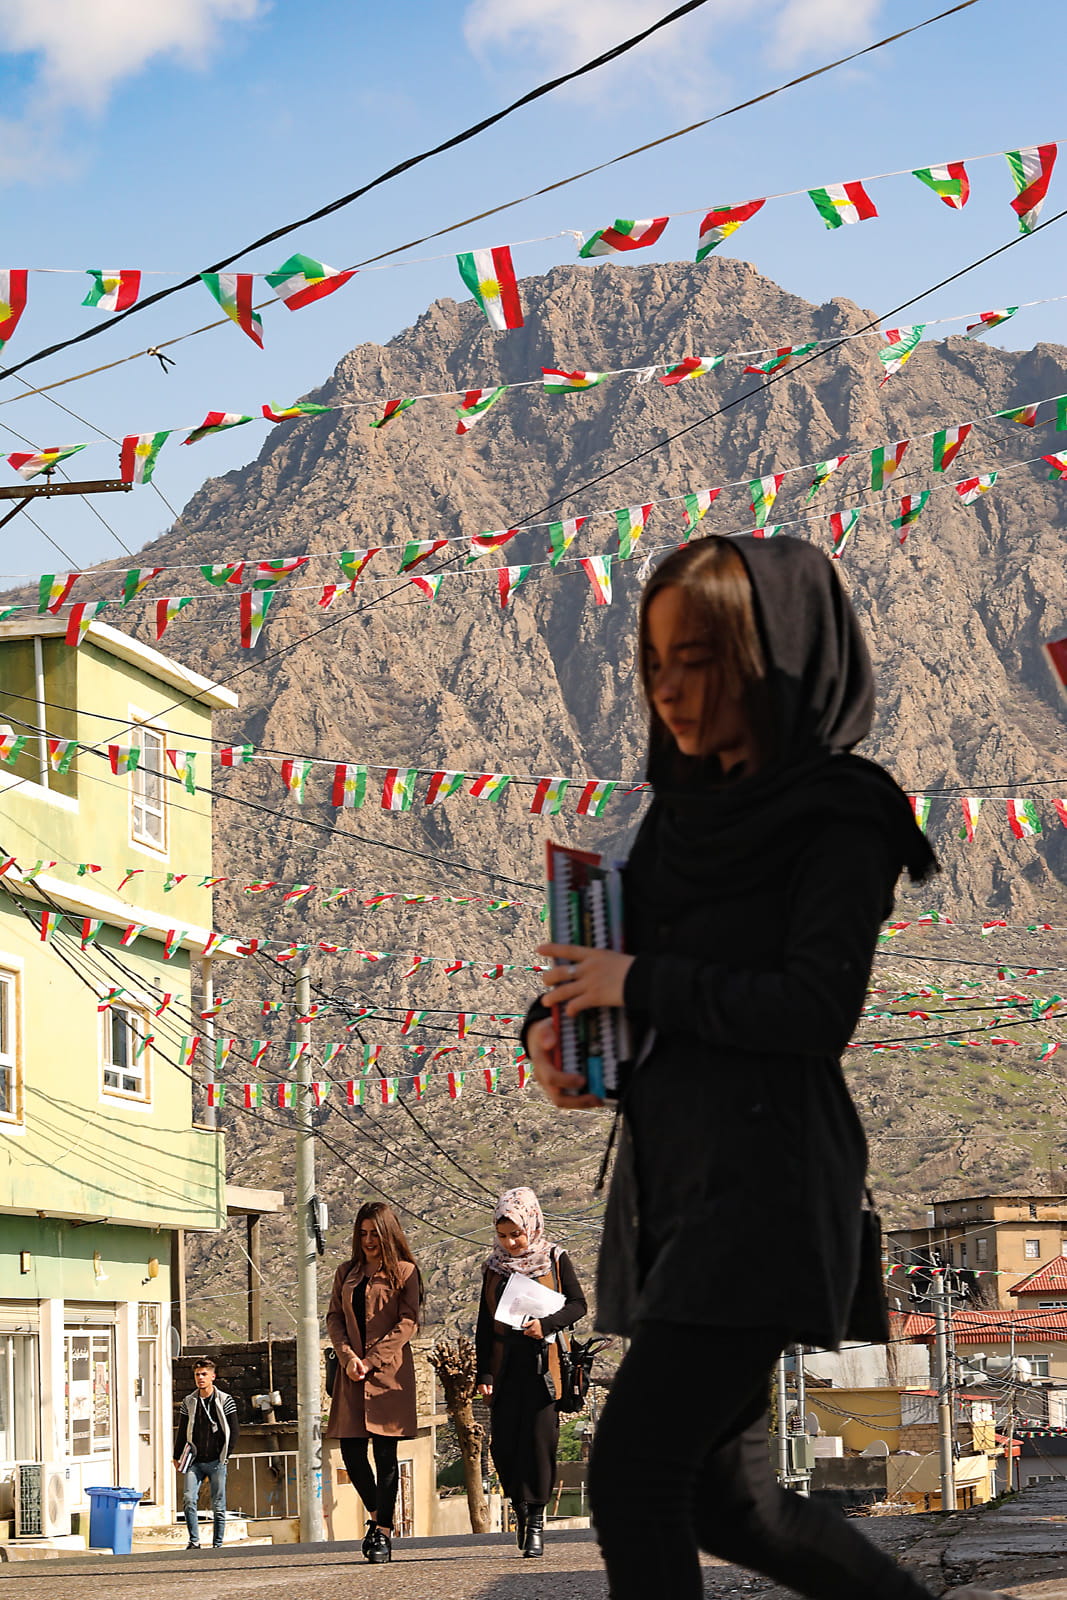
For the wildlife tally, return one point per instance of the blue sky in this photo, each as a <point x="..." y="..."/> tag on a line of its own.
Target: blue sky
<point x="164" y="136"/>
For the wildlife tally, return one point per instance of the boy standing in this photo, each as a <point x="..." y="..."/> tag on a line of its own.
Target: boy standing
<point x="207" y="1432"/>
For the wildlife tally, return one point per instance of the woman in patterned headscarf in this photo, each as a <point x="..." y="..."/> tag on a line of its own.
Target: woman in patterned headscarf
<point x="518" y="1371"/>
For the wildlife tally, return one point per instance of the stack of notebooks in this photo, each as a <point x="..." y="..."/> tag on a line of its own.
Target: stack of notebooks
<point x="585" y="907"/>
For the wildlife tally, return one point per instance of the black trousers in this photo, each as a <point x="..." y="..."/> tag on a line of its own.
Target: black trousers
<point x="524" y="1427"/>
<point x="681" y="1464"/>
<point x="378" y="1495"/>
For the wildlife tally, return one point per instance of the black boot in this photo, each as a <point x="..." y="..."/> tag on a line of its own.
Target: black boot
<point x="534" y="1544"/>
<point x="519" y="1508"/>
<point x="368" y="1538"/>
<point x="381" y="1547"/>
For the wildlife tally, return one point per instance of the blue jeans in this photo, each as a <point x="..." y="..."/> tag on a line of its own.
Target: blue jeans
<point x="215" y="1473"/>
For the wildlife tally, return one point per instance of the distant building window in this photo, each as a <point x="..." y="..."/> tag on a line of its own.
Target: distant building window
<point x="981" y="1250"/>
<point x="1051" y="1305"/>
<point x="10" y="1083"/>
<point x="1039" y="1366"/>
<point x="148" y="816"/>
<point x="1032" y="1249"/>
<point x="1033" y="1210"/>
<point x="126" y="1051"/>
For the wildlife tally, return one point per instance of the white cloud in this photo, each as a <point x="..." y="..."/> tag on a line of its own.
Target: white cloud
<point x="86" y="47"/>
<point x="834" y="26"/>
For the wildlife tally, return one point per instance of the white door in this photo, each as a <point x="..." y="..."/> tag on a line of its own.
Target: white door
<point x="147" y="1408"/>
<point x="89" y="1367"/>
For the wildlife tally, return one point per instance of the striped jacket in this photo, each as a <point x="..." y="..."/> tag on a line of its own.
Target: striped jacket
<point x="225" y="1410"/>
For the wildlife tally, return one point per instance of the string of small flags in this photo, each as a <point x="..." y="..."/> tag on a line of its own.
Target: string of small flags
<point x="362" y="1092"/>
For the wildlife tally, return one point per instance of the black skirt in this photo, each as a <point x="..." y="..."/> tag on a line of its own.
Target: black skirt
<point x="524" y="1427"/>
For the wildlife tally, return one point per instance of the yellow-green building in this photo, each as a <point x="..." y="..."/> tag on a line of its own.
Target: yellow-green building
<point x="102" y="1160"/>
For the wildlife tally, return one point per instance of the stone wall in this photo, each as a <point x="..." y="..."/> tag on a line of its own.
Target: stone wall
<point x="241" y="1370"/>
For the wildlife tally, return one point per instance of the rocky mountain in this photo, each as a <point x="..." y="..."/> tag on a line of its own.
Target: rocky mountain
<point x="955" y="618"/>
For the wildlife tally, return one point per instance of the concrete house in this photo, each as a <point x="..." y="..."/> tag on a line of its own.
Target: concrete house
<point x="999" y="1237"/>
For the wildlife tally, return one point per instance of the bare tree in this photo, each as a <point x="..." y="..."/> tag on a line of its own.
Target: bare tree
<point x="455" y="1365"/>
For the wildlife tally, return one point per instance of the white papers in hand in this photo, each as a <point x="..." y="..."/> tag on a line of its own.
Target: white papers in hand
<point x="523" y="1298"/>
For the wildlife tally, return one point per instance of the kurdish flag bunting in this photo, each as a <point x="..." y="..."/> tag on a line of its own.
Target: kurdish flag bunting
<point x="137" y="460"/>
<point x="418" y="1084"/>
<point x="50" y="921"/>
<point x="167" y="609"/>
<point x="299" y="408"/>
<point x="842" y="527"/>
<point x="112" y="288"/>
<point x="1025" y="416"/>
<point x="223" y="1049"/>
<point x="623" y="236"/>
<point x="254" y="606"/>
<point x="822" y="472"/>
<point x="90" y="929"/>
<point x="80" y="619"/>
<point x="302" y="279"/>
<point x="216" y="1095"/>
<point x="476" y="402"/>
<point x="353" y="562"/>
<point x="490" y="277"/>
<point x="691" y="367"/>
<point x="216" y="422"/>
<point x="971" y="806"/>
<point x="413" y="1019"/>
<point x="443" y="785"/>
<point x="764" y="492"/>
<point x="53" y="589"/>
<point x="885" y="461"/>
<point x="781" y="358"/>
<point x="950" y="182"/>
<point x="1061" y="810"/>
<point x="492" y="1079"/>
<point x="548" y="797"/>
<point x="1032" y="170"/>
<point x="970" y="488"/>
<point x="330" y="1053"/>
<point x="598" y="571"/>
<point x="490" y="786"/>
<point x="1061" y="413"/>
<point x="398" y="788"/>
<point x="911" y="509"/>
<point x="698" y="505"/>
<point x="429" y="585"/>
<point x="489" y="541"/>
<point x="561" y="537"/>
<point x="455" y="1084"/>
<point x="136" y="579"/>
<point x="595" y="796"/>
<point x="298" y="1049"/>
<point x="989" y="320"/>
<point x="173" y="943"/>
<point x="1023" y="818"/>
<point x="920" y="805"/>
<point x="252" y="1096"/>
<point x="268" y="573"/>
<point x="286" y="1096"/>
<point x="840" y="203"/>
<point x="184" y="764"/>
<point x="948" y="442"/>
<point x="389" y="1090"/>
<point x="187" y="1050"/>
<point x="131" y="932"/>
<point x="13" y="282"/>
<point x="42" y="463"/>
<point x="11" y="747"/>
<point x="221" y="574"/>
<point x="1058" y="463"/>
<point x="631" y="522"/>
<point x="294" y="776"/>
<point x="900" y="345"/>
<point x="508" y="580"/>
<point x="556" y="381"/>
<point x="234" y="292"/>
<point x="354" y="1092"/>
<point x="419" y="550"/>
<point x="394" y="408"/>
<point x="61" y="753"/>
<point x="349" y="786"/>
<point x="721" y="222"/>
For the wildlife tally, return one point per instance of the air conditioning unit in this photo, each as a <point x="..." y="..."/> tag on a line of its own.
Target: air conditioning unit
<point x="42" y="1510"/>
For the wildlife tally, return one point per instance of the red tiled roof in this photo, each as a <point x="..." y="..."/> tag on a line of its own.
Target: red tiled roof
<point x="1051" y="1277"/>
<point x="993" y="1327"/>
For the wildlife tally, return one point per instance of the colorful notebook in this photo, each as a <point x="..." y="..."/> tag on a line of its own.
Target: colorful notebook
<point x="585" y="906"/>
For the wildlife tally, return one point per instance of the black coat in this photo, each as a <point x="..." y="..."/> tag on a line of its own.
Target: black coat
<point x="737" y="1189"/>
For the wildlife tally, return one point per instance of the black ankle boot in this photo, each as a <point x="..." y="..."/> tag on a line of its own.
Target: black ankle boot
<point x="534" y="1544"/>
<point x="368" y="1538"/>
<point x="519" y="1508"/>
<point x="381" y="1547"/>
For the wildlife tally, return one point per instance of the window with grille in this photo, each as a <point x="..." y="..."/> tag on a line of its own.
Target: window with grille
<point x="126" y="1052"/>
<point x="148" y="812"/>
<point x="1032" y="1249"/>
<point x="10" y="1086"/>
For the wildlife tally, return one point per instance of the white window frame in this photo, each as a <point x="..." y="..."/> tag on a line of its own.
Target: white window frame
<point x="1051" y="1305"/>
<point x="11" y="1041"/>
<point x="136" y="1070"/>
<point x="981" y="1251"/>
<point x="1042" y="1360"/>
<point x="140" y="836"/>
<point x="1032" y="1254"/>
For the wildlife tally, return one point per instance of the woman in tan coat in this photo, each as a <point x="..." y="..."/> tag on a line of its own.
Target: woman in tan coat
<point x="373" y="1316"/>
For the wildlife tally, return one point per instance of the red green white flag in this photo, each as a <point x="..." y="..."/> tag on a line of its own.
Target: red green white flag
<point x="548" y="796"/>
<point x="691" y="367"/>
<point x="988" y="320"/>
<point x="950" y="182"/>
<point x="490" y="277"/>
<point x="623" y="235"/>
<point x="50" y="921"/>
<point x="840" y="203"/>
<point x="418" y="550"/>
<point x="184" y="764"/>
<point x="167" y="608"/>
<point x="252" y="1096"/>
<point x="721" y="222"/>
<point x="781" y="358"/>
<point x="353" y="562"/>
<point x="1032" y="170"/>
<point x="598" y="571"/>
<point x="413" y="1019"/>
<point x="764" y="492"/>
<point x="490" y="786"/>
<point x="216" y="422"/>
<point x="595" y="796"/>
<point x="842" y="527"/>
<point x="268" y="573"/>
<point x="489" y="541"/>
<point x="254" y="606"/>
<point x="920" y="805"/>
<point x="61" y="753"/>
<point x="508" y="580"/>
<point x="1025" y="416"/>
<point x="90" y="929"/>
<point x="698" y="505"/>
<point x="911" y="509"/>
<point x="294" y="776"/>
<point x="80" y="619"/>
<point x="476" y="402"/>
<point x="556" y="381"/>
<point x="112" y="288"/>
<point x="137" y="459"/>
<point x="1023" y="818"/>
<point x="188" y="1048"/>
<point x="13" y="281"/>
<point x="31" y="464"/>
<point x="135" y="580"/>
<point x="234" y="292"/>
<point x="900" y="345"/>
<point x="492" y="1079"/>
<point x="354" y="1092"/>
<point x="885" y="461"/>
<point x="172" y="943"/>
<point x="349" y="786"/>
<point x="631" y="522"/>
<point x="561" y="536"/>
<point x="390" y="1088"/>
<point x="300" y="408"/>
<point x="970" y="488"/>
<point x="286" y="1093"/>
<point x="221" y="574"/>
<point x="822" y="472"/>
<point x="398" y="788"/>
<point x="302" y="279"/>
<point x="428" y="585"/>
<point x="1058" y="463"/>
<point x="948" y="442"/>
<point x="393" y="409"/>
<point x="11" y="747"/>
<point x="53" y="589"/>
<point x="443" y="785"/>
<point x="971" y="806"/>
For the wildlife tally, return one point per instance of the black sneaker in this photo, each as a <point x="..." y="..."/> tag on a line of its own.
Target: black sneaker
<point x="381" y="1547"/>
<point x="368" y="1538"/>
<point x="193" y="1545"/>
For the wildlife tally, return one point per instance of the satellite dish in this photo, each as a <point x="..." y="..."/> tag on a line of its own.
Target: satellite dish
<point x="175" y="1343"/>
<point x="877" y="1447"/>
<point x="811" y="1425"/>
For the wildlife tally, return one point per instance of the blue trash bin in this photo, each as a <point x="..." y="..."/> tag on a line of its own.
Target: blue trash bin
<point x="111" y="1519"/>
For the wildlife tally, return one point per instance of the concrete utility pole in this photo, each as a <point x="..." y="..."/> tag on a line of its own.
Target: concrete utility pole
<point x="207" y="1000"/>
<point x="939" y="1293"/>
<point x="308" y="1356"/>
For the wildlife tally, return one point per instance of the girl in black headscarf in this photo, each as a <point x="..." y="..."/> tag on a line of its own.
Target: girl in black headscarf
<point x="754" y="894"/>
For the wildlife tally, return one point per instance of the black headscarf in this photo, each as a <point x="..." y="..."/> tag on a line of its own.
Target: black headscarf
<point x="705" y="830"/>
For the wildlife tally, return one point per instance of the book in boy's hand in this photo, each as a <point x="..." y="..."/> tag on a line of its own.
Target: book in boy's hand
<point x="585" y="907"/>
<point x="186" y="1459"/>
